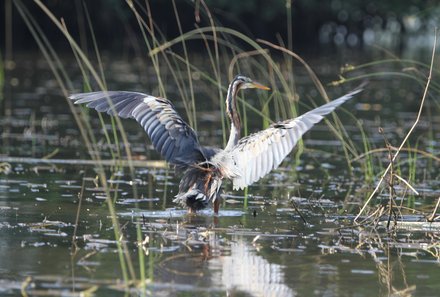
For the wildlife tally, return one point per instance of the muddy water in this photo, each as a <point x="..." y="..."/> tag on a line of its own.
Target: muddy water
<point x="292" y="236"/>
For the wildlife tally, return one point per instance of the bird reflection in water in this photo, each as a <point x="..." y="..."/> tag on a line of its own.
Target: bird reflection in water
<point x="226" y="264"/>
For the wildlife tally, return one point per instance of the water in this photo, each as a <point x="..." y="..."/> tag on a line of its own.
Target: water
<point x="293" y="236"/>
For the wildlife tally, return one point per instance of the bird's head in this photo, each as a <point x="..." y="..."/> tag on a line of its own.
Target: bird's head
<point x="243" y="82"/>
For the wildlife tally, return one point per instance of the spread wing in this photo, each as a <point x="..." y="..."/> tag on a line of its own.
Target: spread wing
<point x="174" y="139"/>
<point x="257" y="154"/>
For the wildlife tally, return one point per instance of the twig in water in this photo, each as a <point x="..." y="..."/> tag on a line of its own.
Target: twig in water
<point x="432" y="217"/>
<point x="24" y="286"/>
<point x="391" y="179"/>
<point x="406" y="183"/>
<point x="80" y="197"/>
<point x="297" y="210"/>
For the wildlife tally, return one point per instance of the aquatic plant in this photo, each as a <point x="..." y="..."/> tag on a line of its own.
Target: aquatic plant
<point x="389" y="174"/>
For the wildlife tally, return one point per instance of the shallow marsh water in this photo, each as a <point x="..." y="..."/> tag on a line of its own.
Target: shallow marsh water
<point x="292" y="236"/>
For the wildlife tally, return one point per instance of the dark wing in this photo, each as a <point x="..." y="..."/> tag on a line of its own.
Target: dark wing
<point x="174" y="139"/>
<point x="257" y="154"/>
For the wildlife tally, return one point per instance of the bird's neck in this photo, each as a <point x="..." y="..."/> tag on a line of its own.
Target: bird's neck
<point x="234" y="136"/>
<point x="234" y="117"/>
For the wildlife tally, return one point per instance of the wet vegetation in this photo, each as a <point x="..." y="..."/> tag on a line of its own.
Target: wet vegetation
<point x="86" y="202"/>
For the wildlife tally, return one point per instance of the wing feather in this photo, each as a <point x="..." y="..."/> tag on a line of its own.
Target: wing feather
<point x="257" y="154"/>
<point x="167" y="147"/>
<point x="174" y="139"/>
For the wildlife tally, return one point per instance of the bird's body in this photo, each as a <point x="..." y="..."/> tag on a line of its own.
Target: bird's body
<point x="243" y="160"/>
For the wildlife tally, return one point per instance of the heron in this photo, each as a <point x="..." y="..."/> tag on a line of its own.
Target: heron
<point x="243" y="160"/>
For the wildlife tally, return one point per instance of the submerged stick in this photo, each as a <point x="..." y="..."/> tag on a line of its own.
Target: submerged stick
<point x="432" y="217"/>
<point x="428" y="82"/>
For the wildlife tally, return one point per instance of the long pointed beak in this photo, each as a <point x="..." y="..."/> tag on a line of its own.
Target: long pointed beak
<point x="254" y="85"/>
<point x="260" y="86"/>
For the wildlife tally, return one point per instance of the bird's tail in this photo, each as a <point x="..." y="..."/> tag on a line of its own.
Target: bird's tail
<point x="198" y="188"/>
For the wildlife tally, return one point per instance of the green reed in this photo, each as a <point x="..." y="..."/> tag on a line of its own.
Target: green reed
<point x="428" y="87"/>
<point x="65" y="85"/>
<point x="397" y="69"/>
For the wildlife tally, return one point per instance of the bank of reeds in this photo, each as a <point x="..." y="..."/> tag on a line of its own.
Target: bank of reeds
<point x="389" y="177"/>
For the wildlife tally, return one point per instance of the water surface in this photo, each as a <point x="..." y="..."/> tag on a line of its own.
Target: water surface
<point x="292" y="236"/>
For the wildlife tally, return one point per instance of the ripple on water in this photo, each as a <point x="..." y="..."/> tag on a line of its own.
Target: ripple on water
<point x="128" y="201"/>
<point x="177" y="213"/>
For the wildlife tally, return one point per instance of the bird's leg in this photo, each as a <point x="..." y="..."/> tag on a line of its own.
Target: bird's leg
<point x="216" y="206"/>
<point x="205" y="252"/>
